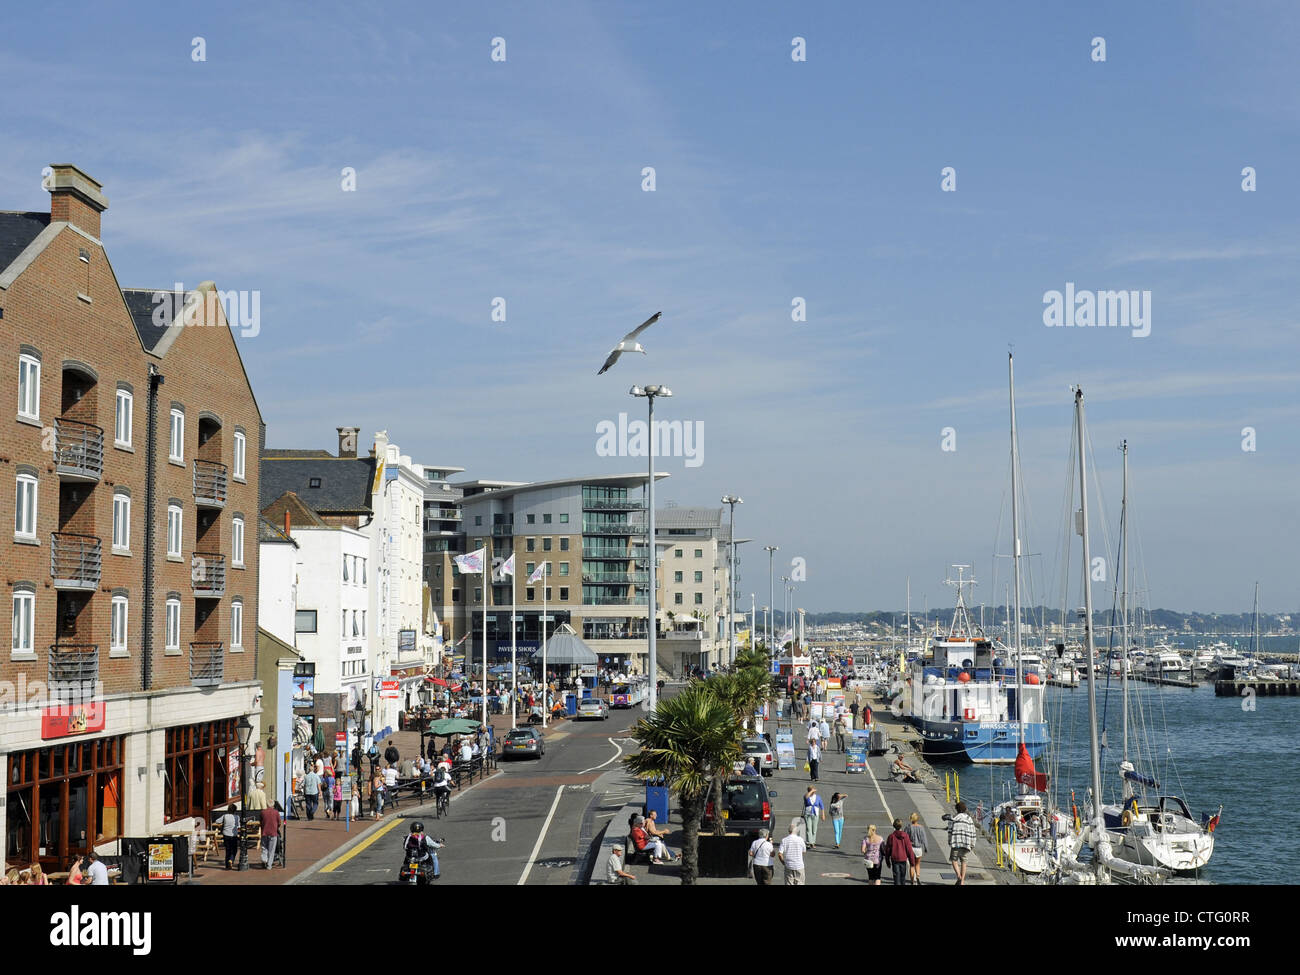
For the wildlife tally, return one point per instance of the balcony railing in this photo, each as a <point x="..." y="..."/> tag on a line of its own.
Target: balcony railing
<point x="74" y="670"/>
<point x="609" y="528"/>
<point x="208" y="574"/>
<point x="682" y="635"/>
<point x="75" y="561"/>
<point x="503" y="529"/>
<point x="593" y="600"/>
<point x="210" y="483"/>
<point x="619" y="504"/>
<point x="613" y="632"/>
<point x="443" y="514"/>
<point x="78" y="450"/>
<point x="618" y="553"/>
<point x="615" y="578"/>
<point x="207" y="664"/>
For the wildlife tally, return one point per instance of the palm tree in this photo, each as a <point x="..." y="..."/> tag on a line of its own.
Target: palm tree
<point x="687" y="740"/>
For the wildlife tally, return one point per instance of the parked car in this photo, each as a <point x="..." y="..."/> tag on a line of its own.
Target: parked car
<point x="523" y="741"/>
<point x="592" y="707"/>
<point x="760" y="750"/>
<point x="746" y="805"/>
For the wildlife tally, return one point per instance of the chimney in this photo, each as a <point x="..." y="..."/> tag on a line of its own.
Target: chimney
<point x="348" y="441"/>
<point x="288" y="519"/>
<point x="75" y="197"/>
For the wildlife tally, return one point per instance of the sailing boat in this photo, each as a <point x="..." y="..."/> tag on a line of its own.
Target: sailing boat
<point x="1022" y="825"/>
<point x="1147" y="827"/>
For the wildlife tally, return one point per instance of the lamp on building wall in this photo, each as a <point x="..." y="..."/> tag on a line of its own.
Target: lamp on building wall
<point x="244" y="731"/>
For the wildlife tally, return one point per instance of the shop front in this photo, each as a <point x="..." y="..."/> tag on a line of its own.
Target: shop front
<point x="61" y="800"/>
<point x="202" y="770"/>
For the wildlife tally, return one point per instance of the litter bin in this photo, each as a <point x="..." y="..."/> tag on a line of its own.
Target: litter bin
<point x="656" y="798"/>
<point x="570" y="704"/>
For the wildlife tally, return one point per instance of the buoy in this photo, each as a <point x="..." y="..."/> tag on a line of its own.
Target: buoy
<point x="963" y="678"/>
<point x="1031" y="679"/>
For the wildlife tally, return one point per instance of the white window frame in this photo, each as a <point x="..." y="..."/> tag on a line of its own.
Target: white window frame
<point x="122" y="418"/>
<point x="363" y="622"/>
<point x="29" y="390"/>
<point x="118" y="621"/>
<point x="237" y="542"/>
<point x="122" y="525"/>
<point x="345" y="569"/>
<point x="23" y="646"/>
<point x="176" y="446"/>
<point x="172" y="626"/>
<point x="180" y="531"/>
<point x="238" y="461"/>
<point x="236" y="626"/>
<point x="27" y="485"/>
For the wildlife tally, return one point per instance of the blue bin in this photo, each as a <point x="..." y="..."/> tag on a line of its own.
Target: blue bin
<point x="570" y="704"/>
<point x="656" y="798"/>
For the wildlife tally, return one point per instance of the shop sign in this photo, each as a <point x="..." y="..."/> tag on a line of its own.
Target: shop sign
<point x="64" y="720"/>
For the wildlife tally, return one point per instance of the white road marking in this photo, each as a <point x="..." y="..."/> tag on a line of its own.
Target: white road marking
<point x="615" y="743"/>
<point x="889" y="816"/>
<point x="523" y="879"/>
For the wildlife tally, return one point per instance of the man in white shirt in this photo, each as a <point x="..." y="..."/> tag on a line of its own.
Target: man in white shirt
<point x="614" y="872"/>
<point x="761" y="853"/>
<point x="791" y="856"/>
<point x="466" y="752"/>
<point x="98" y="873"/>
<point x="390" y="777"/>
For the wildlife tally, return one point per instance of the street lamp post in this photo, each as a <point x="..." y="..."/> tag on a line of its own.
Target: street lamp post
<point x="771" y="591"/>
<point x="732" y="500"/>
<point x="650" y="392"/>
<point x="244" y="731"/>
<point x="785" y="605"/>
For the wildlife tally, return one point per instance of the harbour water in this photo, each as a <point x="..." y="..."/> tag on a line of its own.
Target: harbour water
<point x="1207" y="749"/>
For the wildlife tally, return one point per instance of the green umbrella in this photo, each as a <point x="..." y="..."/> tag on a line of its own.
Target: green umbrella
<point x="453" y="726"/>
<point x="318" y="740"/>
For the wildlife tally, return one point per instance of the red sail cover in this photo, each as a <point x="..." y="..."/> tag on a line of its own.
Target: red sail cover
<point x="1025" y="773"/>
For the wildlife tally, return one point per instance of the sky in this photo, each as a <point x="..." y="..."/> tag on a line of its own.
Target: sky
<point x="775" y="179"/>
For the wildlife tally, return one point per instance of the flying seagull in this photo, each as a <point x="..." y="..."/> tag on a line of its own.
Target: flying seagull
<point x="629" y="343"/>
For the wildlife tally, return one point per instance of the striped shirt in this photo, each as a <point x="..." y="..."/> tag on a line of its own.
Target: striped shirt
<point x="961" y="832"/>
<point x="792" y="849"/>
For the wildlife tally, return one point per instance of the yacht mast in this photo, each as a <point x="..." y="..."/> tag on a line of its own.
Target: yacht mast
<point x="1015" y="549"/>
<point x="1093" y="749"/>
<point x="1255" y="630"/>
<point x="1123" y="604"/>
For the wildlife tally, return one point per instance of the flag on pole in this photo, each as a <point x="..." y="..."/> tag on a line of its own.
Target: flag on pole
<point x="537" y="574"/>
<point x="508" y="567"/>
<point x="471" y="562"/>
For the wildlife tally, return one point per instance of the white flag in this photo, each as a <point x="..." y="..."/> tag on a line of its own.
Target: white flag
<point x="508" y="566"/>
<point x="471" y="562"/>
<point x="537" y="574"/>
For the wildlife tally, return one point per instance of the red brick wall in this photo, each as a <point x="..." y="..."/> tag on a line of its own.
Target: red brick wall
<point x="202" y="371"/>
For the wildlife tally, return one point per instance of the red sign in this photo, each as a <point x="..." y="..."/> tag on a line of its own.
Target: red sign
<point x="388" y="689"/>
<point x="341" y="739"/>
<point x="64" y="720"/>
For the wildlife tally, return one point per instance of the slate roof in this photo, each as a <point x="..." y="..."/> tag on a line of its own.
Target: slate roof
<point x="344" y="482"/>
<point x="17" y="230"/>
<point x="140" y="303"/>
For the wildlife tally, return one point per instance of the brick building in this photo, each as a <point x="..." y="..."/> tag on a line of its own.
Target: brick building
<point x="132" y="567"/>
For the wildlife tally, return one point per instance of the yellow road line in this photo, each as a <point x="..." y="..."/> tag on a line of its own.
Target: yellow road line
<point x="396" y="820"/>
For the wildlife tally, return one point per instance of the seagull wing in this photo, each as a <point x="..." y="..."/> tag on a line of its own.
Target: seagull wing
<point x="613" y="358"/>
<point x="642" y="327"/>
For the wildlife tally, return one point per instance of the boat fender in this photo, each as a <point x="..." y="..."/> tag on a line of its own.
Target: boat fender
<point x="1126" y="819"/>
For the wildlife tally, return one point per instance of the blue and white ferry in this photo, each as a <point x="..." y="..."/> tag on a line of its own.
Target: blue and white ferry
<point x="966" y="699"/>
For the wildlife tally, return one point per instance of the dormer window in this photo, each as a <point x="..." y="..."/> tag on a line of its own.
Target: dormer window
<point x="314" y="482"/>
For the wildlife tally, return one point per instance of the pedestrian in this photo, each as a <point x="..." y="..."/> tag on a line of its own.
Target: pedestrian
<point x="337" y="798"/>
<point x="791" y="854"/>
<point x="839" y="733"/>
<point x="871" y="854"/>
<point x="760" y="852"/>
<point x="255" y="801"/>
<point x="326" y="787"/>
<point x="311" y="785"/>
<point x="825" y="731"/>
<point x="813" y="810"/>
<point x="75" y="876"/>
<point x="916" y="833"/>
<point x="377" y="793"/>
<point x="853" y="710"/>
<point x="391" y="755"/>
<point x="230" y="835"/>
<point x="814" y="758"/>
<point x="614" y="872"/>
<point x="899" y="853"/>
<point x="270" y="834"/>
<point x="961" y="839"/>
<point x="867" y="719"/>
<point x="837" y="816"/>
<point x="97" y="872"/>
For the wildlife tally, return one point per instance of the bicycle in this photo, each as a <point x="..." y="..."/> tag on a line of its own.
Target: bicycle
<point x="443" y="802"/>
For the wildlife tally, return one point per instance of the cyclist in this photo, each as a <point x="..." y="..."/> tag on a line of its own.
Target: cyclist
<point x="423" y="848"/>
<point x="442" y="786"/>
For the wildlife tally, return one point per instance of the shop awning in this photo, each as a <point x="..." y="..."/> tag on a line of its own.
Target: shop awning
<point x="566" y="648"/>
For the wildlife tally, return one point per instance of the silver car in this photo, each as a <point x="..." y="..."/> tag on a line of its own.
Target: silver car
<point x="592" y="707"/>
<point x="523" y="741"/>
<point x="762" y="754"/>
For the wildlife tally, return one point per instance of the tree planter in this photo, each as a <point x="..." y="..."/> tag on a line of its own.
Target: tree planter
<point x="724" y="856"/>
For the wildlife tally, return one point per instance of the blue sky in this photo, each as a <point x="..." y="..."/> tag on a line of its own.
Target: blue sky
<point x="774" y="180"/>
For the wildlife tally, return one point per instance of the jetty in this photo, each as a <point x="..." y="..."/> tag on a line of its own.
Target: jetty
<point x="1261" y="688"/>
